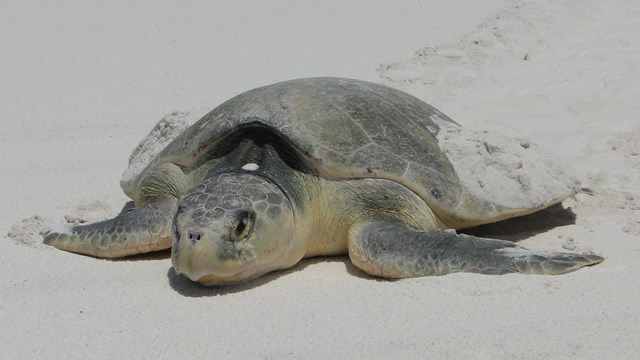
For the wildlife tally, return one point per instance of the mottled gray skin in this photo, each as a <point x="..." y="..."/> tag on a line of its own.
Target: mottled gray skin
<point x="336" y="166"/>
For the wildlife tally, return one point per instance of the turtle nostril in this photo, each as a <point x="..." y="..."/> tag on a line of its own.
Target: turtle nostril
<point x="195" y="235"/>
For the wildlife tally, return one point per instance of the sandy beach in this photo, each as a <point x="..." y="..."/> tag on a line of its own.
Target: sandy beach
<point x="83" y="83"/>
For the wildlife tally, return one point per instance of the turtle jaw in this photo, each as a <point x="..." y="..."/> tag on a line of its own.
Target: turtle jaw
<point x="209" y="263"/>
<point x="214" y="280"/>
<point x="221" y="274"/>
<point x="215" y="261"/>
<point x="201" y="265"/>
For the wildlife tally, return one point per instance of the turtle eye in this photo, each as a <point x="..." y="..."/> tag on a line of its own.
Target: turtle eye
<point x="243" y="227"/>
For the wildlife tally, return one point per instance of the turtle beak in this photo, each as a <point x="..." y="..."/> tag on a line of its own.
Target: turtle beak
<point x="200" y="254"/>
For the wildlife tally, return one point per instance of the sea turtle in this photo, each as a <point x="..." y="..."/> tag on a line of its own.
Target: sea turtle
<point x="325" y="166"/>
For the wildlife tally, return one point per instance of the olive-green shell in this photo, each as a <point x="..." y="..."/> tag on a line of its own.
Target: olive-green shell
<point x="351" y="129"/>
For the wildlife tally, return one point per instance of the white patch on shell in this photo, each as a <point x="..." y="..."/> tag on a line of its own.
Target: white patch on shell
<point x="250" y="167"/>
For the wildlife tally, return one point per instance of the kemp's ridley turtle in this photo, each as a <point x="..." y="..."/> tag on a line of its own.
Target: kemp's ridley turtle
<point x="313" y="167"/>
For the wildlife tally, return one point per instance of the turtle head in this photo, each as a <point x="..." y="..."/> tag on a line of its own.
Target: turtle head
<point x="232" y="228"/>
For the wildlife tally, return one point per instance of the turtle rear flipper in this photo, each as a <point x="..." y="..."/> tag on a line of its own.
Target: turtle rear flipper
<point x="387" y="248"/>
<point x="138" y="230"/>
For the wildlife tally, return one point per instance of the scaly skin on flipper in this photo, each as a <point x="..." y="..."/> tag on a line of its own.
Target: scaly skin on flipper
<point x="144" y="228"/>
<point x="387" y="248"/>
<point x="138" y="230"/>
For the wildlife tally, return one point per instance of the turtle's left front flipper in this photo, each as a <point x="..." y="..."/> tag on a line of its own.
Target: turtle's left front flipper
<point x="138" y="230"/>
<point x="390" y="249"/>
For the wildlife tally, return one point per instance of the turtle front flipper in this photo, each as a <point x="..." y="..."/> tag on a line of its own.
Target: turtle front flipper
<point x="138" y="230"/>
<point x="390" y="249"/>
<point x="147" y="227"/>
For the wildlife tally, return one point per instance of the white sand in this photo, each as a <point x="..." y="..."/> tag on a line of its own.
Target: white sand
<point x="82" y="84"/>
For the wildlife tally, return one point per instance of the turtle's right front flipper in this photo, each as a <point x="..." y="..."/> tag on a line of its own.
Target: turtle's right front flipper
<point x="138" y="230"/>
<point x="388" y="248"/>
